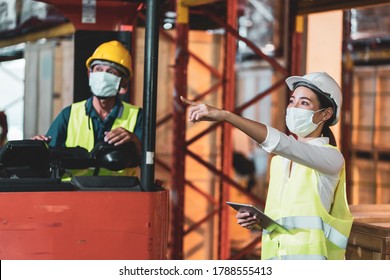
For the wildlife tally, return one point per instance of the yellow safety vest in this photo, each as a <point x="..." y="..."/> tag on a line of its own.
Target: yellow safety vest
<point x="79" y="133"/>
<point x="296" y="204"/>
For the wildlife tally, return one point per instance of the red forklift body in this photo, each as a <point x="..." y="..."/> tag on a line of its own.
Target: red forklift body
<point x="105" y="225"/>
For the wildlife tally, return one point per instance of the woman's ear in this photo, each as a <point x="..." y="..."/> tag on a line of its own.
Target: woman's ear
<point x="328" y="114"/>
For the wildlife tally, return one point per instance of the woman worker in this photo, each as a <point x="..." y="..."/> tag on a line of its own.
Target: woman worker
<point x="307" y="174"/>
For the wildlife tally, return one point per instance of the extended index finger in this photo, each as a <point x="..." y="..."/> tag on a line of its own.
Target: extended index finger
<point x="188" y="102"/>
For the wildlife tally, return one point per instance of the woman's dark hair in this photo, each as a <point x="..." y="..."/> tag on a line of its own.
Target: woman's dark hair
<point x="325" y="102"/>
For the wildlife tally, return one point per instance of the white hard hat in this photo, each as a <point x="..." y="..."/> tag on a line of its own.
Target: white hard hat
<point x="320" y="82"/>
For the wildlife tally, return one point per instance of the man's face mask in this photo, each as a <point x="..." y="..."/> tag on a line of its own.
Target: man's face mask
<point x="104" y="84"/>
<point x="300" y="121"/>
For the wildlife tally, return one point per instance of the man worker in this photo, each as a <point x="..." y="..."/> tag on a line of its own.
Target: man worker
<point x="103" y="116"/>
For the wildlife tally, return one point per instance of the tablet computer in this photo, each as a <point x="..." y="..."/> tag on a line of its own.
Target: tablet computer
<point x="265" y="222"/>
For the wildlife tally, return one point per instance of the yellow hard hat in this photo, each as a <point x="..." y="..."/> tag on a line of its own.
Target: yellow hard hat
<point x="114" y="52"/>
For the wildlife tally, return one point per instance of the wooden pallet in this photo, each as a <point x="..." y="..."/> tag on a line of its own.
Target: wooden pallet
<point x="370" y="234"/>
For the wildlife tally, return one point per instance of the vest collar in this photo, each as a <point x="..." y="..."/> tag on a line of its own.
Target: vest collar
<point x="116" y="112"/>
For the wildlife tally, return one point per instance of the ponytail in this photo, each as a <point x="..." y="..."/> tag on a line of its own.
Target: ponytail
<point x="327" y="103"/>
<point x="327" y="132"/>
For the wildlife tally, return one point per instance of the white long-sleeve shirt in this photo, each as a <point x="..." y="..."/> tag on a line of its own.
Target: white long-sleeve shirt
<point x="327" y="161"/>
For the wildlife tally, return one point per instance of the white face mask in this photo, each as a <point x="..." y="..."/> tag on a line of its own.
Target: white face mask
<point x="300" y="121"/>
<point x="104" y="84"/>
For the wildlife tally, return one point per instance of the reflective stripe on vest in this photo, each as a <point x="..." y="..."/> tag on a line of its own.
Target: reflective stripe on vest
<point x="312" y="222"/>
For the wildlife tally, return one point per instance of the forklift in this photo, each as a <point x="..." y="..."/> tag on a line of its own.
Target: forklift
<point x="45" y="217"/>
